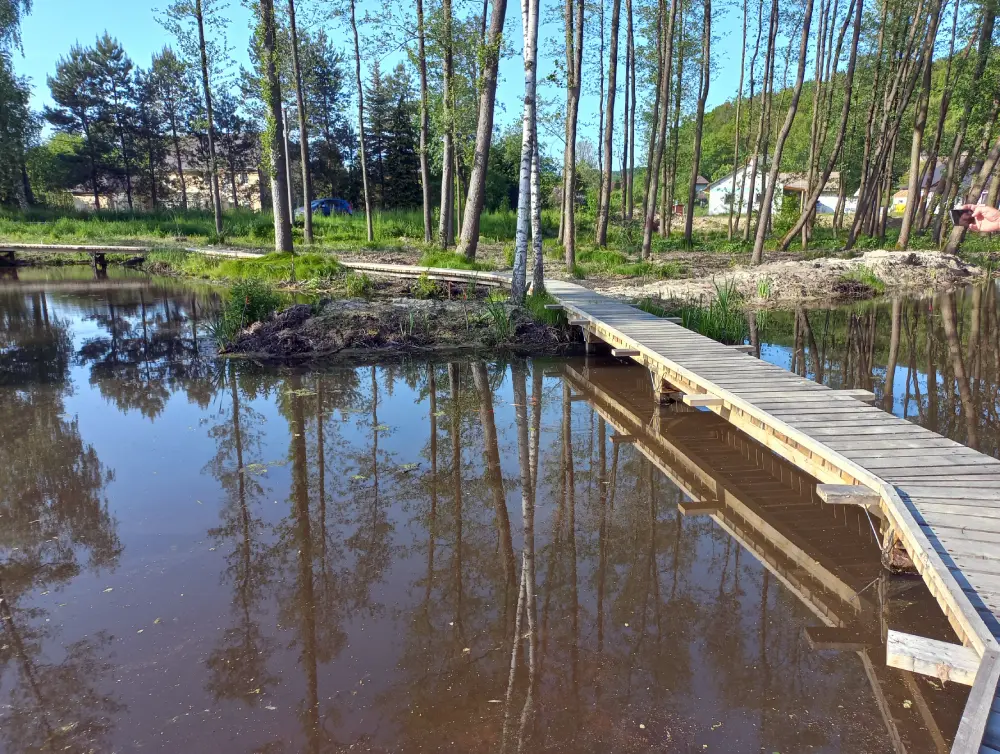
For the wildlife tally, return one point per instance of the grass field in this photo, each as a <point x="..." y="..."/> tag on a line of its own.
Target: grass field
<point x="403" y="230"/>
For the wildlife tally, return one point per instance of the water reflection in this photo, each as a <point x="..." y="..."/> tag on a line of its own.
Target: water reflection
<point x="933" y="360"/>
<point x="199" y="554"/>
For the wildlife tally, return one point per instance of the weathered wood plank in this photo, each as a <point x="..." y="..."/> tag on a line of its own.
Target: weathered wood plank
<point x="847" y="494"/>
<point x="918" y="654"/>
<point x="702" y="400"/>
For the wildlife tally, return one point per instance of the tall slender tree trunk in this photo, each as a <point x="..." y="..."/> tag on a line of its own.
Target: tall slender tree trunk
<point x="736" y="140"/>
<point x="476" y="195"/>
<point x="574" y="38"/>
<point x="654" y="119"/>
<point x="446" y="223"/>
<point x="628" y="159"/>
<point x="661" y="133"/>
<point x="916" y="144"/>
<point x="669" y="189"/>
<point x="207" y="90"/>
<point x="300" y="104"/>
<point x="628" y="93"/>
<point x="604" y="203"/>
<point x="529" y="25"/>
<point x="425" y="172"/>
<point x="179" y="160"/>
<point x="760" y="147"/>
<point x="363" y="155"/>
<point x="699" y="122"/>
<point x="275" y="131"/>
<point x="779" y="146"/>
<point x="753" y="83"/>
<point x="816" y="189"/>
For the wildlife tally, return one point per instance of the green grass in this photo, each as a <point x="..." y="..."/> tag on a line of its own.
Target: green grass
<point x="248" y="301"/>
<point x="611" y="262"/>
<point x="274" y="268"/>
<point x="723" y="319"/>
<point x="866" y="276"/>
<point x="535" y="305"/>
<point x="451" y="260"/>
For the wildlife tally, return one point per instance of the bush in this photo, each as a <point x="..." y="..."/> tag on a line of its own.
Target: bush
<point x="249" y="301"/>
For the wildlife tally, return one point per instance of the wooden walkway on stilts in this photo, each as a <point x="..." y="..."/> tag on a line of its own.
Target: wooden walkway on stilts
<point x="936" y="498"/>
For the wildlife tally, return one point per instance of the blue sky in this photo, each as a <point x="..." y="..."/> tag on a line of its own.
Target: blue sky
<point x="55" y="25"/>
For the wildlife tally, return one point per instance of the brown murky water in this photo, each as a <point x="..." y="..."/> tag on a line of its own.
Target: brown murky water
<point x="200" y="555"/>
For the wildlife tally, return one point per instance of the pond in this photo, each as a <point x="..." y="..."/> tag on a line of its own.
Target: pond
<point x="205" y="555"/>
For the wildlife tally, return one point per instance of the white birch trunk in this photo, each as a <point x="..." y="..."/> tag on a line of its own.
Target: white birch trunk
<point x="529" y="24"/>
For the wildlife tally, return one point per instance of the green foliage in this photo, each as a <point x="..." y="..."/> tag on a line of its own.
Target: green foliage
<point x="866" y="276"/>
<point x="499" y="319"/>
<point x="723" y="319"/>
<point x="423" y="287"/>
<point x="535" y="304"/>
<point x="452" y="261"/>
<point x="611" y="262"/>
<point x="357" y="285"/>
<point x="248" y="301"/>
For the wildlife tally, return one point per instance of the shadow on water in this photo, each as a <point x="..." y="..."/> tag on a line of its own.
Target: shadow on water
<point x="200" y="555"/>
<point x="932" y="360"/>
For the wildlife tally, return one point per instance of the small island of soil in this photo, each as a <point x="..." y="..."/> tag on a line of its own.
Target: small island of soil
<point x="349" y="327"/>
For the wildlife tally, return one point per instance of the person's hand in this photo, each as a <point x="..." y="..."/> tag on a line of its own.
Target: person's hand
<point x="982" y="218"/>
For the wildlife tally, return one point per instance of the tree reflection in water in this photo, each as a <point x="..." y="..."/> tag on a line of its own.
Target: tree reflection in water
<point x="455" y="556"/>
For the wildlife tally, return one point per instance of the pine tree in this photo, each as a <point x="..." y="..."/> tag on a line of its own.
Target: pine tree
<point x="402" y="174"/>
<point x="175" y="90"/>
<point x="79" y="110"/>
<point x="378" y="114"/>
<point x="113" y="71"/>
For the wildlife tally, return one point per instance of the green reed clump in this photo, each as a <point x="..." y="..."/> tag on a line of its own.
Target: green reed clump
<point x="865" y="276"/>
<point x="722" y="319"/>
<point x="249" y="301"/>
<point x="499" y="319"/>
<point x="358" y="285"/>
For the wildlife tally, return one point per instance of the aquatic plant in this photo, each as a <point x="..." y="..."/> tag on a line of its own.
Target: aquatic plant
<point x="499" y="320"/>
<point x="358" y="285"/>
<point x="248" y="301"/>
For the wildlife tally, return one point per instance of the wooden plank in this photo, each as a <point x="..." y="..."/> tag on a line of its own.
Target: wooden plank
<point x="848" y="494"/>
<point x="625" y="352"/>
<point x="955" y="492"/>
<point x="699" y="508"/>
<point x="579" y="322"/>
<point x="702" y="400"/>
<point x="977" y="709"/>
<point x="865" y="396"/>
<point x="622" y="438"/>
<point x="554" y="307"/>
<point x="744" y="349"/>
<point x="941" y="660"/>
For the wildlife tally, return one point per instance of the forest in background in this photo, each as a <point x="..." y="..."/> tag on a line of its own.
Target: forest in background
<point x="887" y="94"/>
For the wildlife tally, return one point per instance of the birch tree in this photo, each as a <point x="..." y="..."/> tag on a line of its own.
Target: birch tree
<point x="362" y="155"/>
<point x="699" y="123"/>
<point x="425" y="173"/>
<point x="527" y="186"/>
<point x="446" y="221"/>
<point x="303" y="127"/>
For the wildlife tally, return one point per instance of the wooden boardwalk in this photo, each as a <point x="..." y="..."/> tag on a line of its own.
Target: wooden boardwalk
<point x="938" y="498"/>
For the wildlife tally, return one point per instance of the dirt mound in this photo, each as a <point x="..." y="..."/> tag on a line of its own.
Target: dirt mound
<point x="787" y="281"/>
<point x="405" y="325"/>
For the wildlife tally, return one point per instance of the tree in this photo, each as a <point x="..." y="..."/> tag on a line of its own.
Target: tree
<point x="150" y="144"/>
<point x="114" y="80"/>
<point x="666" y="59"/>
<point x="526" y="202"/>
<point x="361" y="124"/>
<point x="425" y="173"/>
<point x="699" y="123"/>
<point x="237" y="139"/>
<point x="476" y="195"/>
<point x="187" y="21"/>
<point x="79" y="108"/>
<point x="303" y="127"/>
<point x="574" y="72"/>
<point x="174" y="89"/>
<point x="446" y="225"/>
<point x="274" y="146"/>
<point x="604" y="202"/>
<point x="772" y="179"/>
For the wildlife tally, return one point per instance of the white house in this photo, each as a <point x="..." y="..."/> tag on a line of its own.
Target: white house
<point x="721" y="195"/>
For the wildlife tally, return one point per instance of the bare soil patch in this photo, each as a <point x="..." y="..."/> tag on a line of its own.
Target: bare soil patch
<point x="399" y="325"/>
<point x="787" y="280"/>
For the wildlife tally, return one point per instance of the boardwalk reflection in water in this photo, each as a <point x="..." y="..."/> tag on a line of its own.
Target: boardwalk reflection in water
<point x="415" y="557"/>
